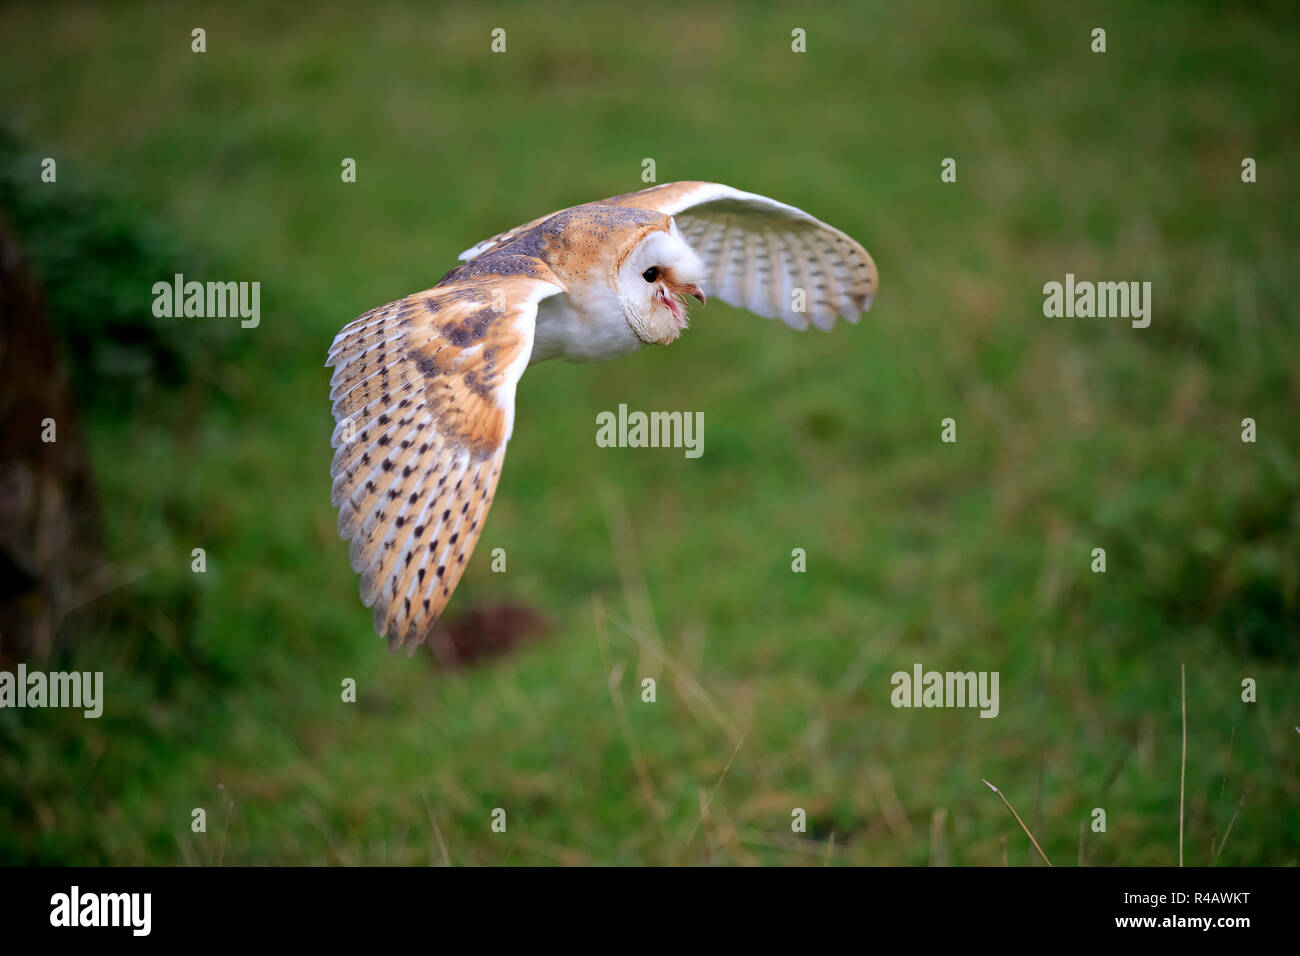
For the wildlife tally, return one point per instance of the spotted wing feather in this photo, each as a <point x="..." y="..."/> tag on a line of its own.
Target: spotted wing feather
<point x="423" y="391"/>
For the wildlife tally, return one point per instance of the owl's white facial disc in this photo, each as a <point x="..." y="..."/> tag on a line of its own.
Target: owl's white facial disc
<point x="652" y="283"/>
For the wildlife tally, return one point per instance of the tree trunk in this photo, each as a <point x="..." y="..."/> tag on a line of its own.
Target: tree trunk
<point x="50" y="531"/>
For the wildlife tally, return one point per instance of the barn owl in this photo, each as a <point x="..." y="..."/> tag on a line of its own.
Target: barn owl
<point x="424" y="387"/>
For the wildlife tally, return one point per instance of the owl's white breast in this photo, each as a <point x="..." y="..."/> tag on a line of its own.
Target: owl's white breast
<point x="586" y="326"/>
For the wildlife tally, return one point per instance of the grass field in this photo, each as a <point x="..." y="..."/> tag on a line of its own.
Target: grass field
<point x="773" y="687"/>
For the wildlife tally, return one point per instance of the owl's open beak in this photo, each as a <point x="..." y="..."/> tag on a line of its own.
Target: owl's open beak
<point x="671" y="293"/>
<point x="686" y="288"/>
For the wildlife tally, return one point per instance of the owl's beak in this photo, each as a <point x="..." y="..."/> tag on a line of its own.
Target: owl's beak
<point x="686" y="288"/>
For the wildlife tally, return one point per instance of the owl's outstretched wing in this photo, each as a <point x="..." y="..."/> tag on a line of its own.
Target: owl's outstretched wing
<point x="759" y="251"/>
<point x="424" y="397"/>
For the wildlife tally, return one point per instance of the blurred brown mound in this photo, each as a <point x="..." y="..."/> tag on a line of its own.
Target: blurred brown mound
<point x="484" y="633"/>
<point x="49" y="512"/>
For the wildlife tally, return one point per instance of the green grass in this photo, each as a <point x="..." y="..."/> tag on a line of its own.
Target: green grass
<point x="224" y="688"/>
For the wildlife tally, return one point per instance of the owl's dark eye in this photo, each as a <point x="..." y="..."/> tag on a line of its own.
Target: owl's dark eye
<point x="651" y="274"/>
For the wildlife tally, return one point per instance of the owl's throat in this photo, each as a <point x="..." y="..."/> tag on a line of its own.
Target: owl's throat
<point x="673" y="297"/>
<point x="674" y="305"/>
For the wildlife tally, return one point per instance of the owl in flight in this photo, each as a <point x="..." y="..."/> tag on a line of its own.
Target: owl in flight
<point x="424" y="387"/>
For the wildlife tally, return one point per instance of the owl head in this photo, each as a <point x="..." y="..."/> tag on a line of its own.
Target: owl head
<point x="653" y="282"/>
